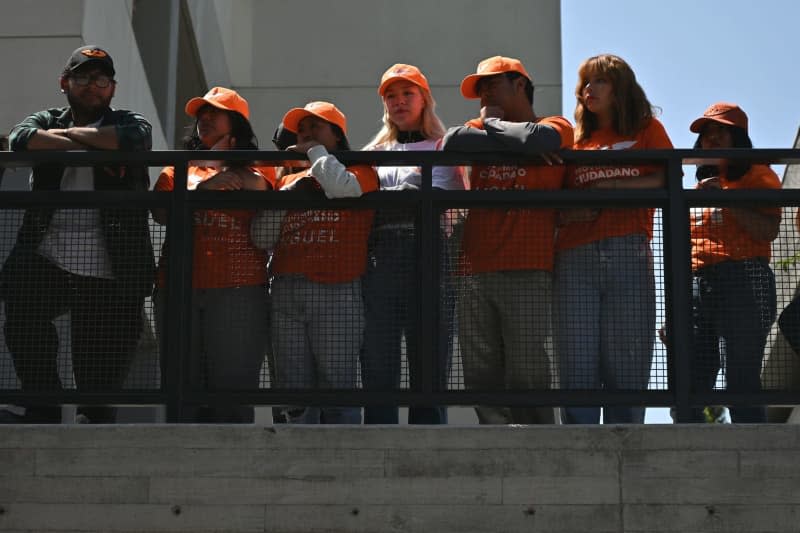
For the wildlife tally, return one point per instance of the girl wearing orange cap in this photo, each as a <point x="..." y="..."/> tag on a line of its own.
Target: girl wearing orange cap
<point x="320" y="256"/>
<point x="229" y="297"/>
<point x="410" y="123"/>
<point x="605" y="299"/>
<point x="733" y="293"/>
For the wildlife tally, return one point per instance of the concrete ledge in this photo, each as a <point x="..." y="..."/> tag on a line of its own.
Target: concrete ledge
<point x="400" y="479"/>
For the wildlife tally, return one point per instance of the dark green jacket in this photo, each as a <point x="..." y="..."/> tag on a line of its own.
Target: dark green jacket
<point x="126" y="230"/>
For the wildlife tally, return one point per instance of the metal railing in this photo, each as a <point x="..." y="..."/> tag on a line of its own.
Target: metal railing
<point x="176" y="392"/>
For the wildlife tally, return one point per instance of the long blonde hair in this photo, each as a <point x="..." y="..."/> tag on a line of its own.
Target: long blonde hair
<point x="432" y="126"/>
<point x="632" y="111"/>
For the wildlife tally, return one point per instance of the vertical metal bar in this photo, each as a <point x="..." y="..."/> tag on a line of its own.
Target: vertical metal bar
<point x="678" y="289"/>
<point x="179" y="282"/>
<point x="428" y="241"/>
<point x="172" y="71"/>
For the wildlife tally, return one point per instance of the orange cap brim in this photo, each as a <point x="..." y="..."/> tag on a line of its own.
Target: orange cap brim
<point x="470" y="83"/>
<point x="698" y="125"/>
<point x="194" y="105"/>
<point x="292" y="118"/>
<point x="390" y="81"/>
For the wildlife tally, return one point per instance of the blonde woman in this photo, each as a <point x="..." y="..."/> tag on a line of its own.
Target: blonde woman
<point x="390" y="284"/>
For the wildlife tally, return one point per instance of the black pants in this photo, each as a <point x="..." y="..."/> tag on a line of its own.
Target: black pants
<point x="105" y="322"/>
<point x="733" y="301"/>
<point x="789" y="323"/>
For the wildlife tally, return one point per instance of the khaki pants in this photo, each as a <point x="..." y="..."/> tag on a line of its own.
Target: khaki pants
<point x="505" y="338"/>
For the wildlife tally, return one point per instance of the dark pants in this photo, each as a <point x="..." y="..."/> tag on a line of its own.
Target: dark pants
<point x="734" y="302"/>
<point x="229" y="335"/>
<point x="391" y="304"/>
<point x="105" y="322"/>
<point x="789" y="323"/>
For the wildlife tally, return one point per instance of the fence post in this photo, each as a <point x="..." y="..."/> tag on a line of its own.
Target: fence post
<point x="677" y="266"/>
<point x="176" y="330"/>
<point x="429" y="300"/>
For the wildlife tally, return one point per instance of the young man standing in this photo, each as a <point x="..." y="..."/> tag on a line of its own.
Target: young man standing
<point x="95" y="263"/>
<point x="505" y="311"/>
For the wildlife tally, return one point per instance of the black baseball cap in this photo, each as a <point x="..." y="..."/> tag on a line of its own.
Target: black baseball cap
<point x="90" y="54"/>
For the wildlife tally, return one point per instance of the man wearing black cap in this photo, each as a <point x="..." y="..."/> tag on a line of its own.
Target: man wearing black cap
<point x="95" y="263"/>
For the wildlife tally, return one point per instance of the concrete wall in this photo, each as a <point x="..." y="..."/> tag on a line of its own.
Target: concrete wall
<point x="281" y="54"/>
<point x="36" y="39"/>
<point x="288" y="479"/>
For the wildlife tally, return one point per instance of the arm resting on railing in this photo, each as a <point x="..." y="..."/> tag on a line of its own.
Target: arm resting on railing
<point x="527" y="138"/>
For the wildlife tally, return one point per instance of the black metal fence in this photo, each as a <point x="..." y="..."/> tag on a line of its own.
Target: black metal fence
<point x="163" y="373"/>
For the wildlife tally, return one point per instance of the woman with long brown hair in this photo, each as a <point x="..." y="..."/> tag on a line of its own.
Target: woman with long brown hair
<point x="604" y="280"/>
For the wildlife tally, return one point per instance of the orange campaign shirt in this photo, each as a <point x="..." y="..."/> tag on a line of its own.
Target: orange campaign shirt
<point x="612" y="222"/>
<point x="513" y="239"/>
<point x="718" y="237"/>
<point x="223" y="255"/>
<point x="326" y="245"/>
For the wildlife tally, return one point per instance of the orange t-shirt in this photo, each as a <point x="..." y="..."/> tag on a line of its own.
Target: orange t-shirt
<point x="223" y="255"/>
<point x="326" y="245"/>
<point x="513" y="239"/>
<point x="612" y="222"/>
<point x="718" y="237"/>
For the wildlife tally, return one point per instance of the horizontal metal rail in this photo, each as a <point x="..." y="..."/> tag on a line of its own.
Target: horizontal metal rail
<point x="428" y="203"/>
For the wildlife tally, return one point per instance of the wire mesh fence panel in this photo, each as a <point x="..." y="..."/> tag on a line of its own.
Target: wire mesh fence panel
<point x="781" y="369"/>
<point x="390" y="357"/>
<point x="74" y="285"/>
<point x="228" y="320"/>
<point x="660" y="367"/>
<point x="735" y="299"/>
<point x="387" y="303"/>
<point x="9" y="226"/>
<point x="318" y="322"/>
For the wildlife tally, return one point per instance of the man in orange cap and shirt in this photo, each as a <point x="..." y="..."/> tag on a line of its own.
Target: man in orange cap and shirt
<point x="504" y="312"/>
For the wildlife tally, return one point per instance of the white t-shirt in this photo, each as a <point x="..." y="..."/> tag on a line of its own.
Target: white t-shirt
<point x="448" y="178"/>
<point x="74" y="239"/>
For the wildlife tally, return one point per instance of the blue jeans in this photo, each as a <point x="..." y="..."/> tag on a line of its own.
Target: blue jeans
<point x="734" y="302"/>
<point x="317" y="329"/>
<point x="391" y="303"/>
<point x="605" y="314"/>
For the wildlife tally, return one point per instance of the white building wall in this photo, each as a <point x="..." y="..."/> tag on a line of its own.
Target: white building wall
<point x="283" y="54"/>
<point x="36" y="38"/>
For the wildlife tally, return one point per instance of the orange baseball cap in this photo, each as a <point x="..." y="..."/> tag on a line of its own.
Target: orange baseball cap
<point x="491" y="67"/>
<point x="401" y="71"/>
<point x="324" y="110"/>
<point x="221" y="98"/>
<point x="723" y="113"/>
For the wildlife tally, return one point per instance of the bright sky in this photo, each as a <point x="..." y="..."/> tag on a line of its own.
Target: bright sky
<point x="688" y="54"/>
